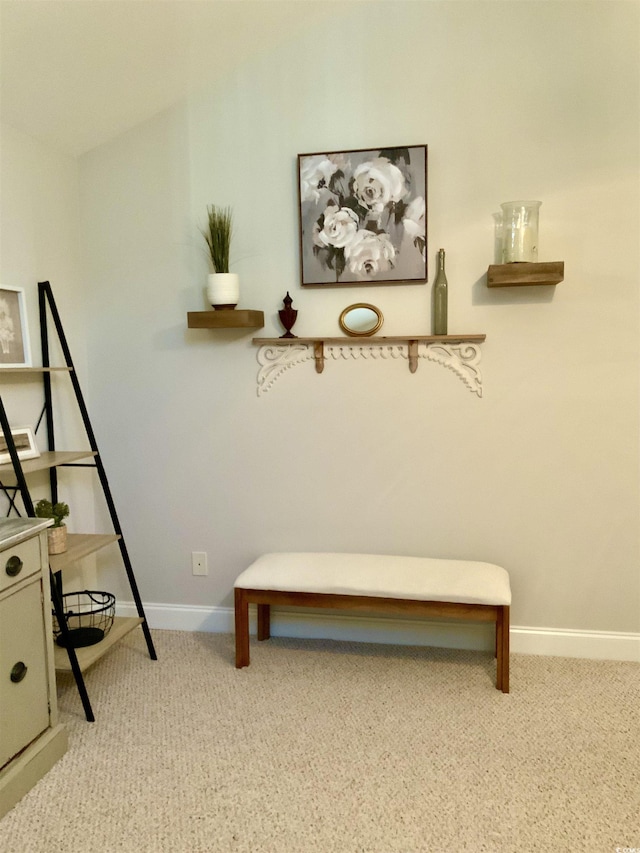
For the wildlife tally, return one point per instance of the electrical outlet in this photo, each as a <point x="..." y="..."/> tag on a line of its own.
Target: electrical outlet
<point x="199" y="563"/>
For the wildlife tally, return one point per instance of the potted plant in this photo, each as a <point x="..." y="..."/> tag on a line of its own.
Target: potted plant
<point x="57" y="534"/>
<point x="223" y="287"/>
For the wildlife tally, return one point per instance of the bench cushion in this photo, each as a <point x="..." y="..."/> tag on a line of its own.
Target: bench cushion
<point x="418" y="578"/>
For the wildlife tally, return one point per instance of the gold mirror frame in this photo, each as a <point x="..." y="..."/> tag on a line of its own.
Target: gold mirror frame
<point x="358" y="334"/>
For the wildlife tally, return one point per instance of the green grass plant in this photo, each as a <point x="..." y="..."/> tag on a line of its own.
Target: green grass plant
<point x="218" y="236"/>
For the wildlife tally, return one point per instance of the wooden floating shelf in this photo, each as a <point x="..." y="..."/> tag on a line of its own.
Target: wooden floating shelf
<point x="242" y="318"/>
<point x="521" y="274"/>
<point x="378" y="340"/>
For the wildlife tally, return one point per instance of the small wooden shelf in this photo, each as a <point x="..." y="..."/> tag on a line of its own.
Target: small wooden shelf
<point x="48" y="459"/>
<point x="88" y="655"/>
<point x="521" y="274"/>
<point x="242" y="318"/>
<point x="80" y="545"/>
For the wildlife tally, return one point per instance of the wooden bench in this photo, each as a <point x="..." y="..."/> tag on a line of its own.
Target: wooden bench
<point x="411" y="586"/>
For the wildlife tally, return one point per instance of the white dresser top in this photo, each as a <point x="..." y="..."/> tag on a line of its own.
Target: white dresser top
<point x="14" y="530"/>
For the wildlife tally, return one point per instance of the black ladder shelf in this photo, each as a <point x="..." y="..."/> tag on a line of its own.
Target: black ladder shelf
<point x="52" y="461"/>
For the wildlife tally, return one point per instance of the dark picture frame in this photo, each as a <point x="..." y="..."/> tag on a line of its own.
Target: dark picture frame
<point x="363" y="216"/>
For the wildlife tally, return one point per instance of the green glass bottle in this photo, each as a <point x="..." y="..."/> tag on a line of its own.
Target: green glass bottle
<point x="440" y="298"/>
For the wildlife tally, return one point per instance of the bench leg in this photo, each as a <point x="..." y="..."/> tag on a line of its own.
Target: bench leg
<point x="502" y="649"/>
<point x="264" y="621"/>
<point x="242" y="628"/>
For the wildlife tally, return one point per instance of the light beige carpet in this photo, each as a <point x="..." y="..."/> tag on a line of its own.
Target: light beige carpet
<point x="322" y="747"/>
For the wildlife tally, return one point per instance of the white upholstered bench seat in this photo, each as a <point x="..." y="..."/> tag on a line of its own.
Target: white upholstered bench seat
<point x="460" y="589"/>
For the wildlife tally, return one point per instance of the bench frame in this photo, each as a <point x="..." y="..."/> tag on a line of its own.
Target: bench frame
<point x="264" y="598"/>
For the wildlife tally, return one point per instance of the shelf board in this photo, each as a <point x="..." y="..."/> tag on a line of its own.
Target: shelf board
<point x="521" y="274"/>
<point x="48" y="459"/>
<point x="80" y="545"/>
<point x="358" y="341"/>
<point x="228" y="319"/>
<point x="34" y="370"/>
<point x="90" y="654"/>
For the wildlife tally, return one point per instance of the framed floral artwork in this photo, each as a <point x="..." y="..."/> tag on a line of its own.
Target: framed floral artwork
<point x="14" y="337"/>
<point x="363" y="216"/>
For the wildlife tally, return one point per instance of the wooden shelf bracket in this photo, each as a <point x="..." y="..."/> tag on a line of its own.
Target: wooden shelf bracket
<point x="318" y="354"/>
<point x="413" y="355"/>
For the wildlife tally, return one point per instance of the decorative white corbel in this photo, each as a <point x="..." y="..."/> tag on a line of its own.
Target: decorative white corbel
<point x="275" y="360"/>
<point x="463" y="359"/>
<point x="459" y="353"/>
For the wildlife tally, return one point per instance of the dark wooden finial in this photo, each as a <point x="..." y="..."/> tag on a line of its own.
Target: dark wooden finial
<point x="288" y="316"/>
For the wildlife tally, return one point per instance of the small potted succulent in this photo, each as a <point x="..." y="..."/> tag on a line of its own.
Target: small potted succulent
<point x="57" y="533"/>
<point x="223" y="287"/>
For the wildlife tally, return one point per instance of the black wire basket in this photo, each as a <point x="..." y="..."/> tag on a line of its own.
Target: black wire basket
<point x="89" y="616"/>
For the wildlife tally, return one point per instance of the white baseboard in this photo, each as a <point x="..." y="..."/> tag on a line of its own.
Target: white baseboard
<point x="556" y="642"/>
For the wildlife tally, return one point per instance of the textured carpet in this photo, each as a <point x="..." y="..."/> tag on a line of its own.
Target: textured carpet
<point x="322" y="747"/>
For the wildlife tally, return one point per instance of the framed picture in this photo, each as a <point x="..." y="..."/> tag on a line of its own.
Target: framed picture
<point x="363" y="216"/>
<point x="14" y="337"/>
<point x="25" y="443"/>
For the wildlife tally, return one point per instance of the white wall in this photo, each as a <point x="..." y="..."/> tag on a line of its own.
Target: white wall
<point x="514" y="100"/>
<point x="39" y="235"/>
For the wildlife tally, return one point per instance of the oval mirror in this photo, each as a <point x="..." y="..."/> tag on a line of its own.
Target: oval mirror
<point x="361" y="319"/>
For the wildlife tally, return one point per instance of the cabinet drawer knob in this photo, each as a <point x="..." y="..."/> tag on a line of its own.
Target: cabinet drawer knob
<point x="14" y="566"/>
<point x="18" y="671"/>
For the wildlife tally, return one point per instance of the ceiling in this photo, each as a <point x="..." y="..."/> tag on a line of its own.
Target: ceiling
<point x="76" y="73"/>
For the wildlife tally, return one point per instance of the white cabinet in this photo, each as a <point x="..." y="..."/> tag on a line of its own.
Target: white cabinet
<point x="31" y="739"/>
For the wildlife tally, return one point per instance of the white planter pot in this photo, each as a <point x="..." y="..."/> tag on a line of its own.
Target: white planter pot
<point x="223" y="289"/>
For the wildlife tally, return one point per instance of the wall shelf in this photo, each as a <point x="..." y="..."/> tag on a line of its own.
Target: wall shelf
<point x="460" y="353"/>
<point x="236" y="318"/>
<point x="520" y="274"/>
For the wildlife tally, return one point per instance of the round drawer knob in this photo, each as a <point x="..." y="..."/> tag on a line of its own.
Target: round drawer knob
<point x="18" y="671"/>
<point x="14" y="566"/>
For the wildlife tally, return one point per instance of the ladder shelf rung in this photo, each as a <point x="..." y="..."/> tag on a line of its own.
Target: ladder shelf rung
<point x="88" y="655"/>
<point x="80" y="545"/>
<point x="48" y="459"/>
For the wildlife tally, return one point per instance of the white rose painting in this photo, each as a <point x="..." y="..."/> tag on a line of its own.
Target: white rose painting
<point x="363" y="216"/>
